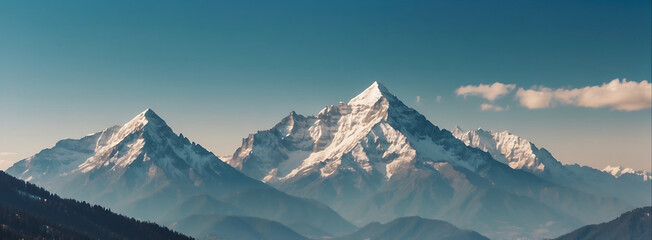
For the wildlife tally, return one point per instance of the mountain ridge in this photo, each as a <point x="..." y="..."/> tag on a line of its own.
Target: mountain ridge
<point x="143" y="168"/>
<point x="626" y="184"/>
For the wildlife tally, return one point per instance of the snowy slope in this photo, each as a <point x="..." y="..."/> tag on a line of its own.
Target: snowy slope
<point x="63" y="158"/>
<point x="519" y="153"/>
<point x="375" y="159"/>
<point x="128" y="162"/>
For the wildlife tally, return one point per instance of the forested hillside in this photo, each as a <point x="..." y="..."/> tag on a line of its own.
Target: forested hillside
<point x="30" y="212"/>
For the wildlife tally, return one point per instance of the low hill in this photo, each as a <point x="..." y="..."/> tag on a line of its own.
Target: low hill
<point x="633" y="225"/>
<point x="234" y="228"/>
<point x="413" y="228"/>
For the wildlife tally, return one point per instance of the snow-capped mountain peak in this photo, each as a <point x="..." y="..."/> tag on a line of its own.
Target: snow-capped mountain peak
<point x="121" y="148"/>
<point x="373" y="134"/>
<point x="145" y="121"/>
<point x="147" y="117"/>
<point x="146" y="141"/>
<point x="618" y="171"/>
<point x="372" y="95"/>
<point x="520" y="153"/>
<point x="517" y="152"/>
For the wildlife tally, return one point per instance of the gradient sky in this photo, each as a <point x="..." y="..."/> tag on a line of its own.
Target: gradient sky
<point x="219" y="70"/>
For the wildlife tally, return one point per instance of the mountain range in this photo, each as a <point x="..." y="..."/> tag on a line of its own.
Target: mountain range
<point x="519" y="153"/>
<point x="372" y="162"/>
<point x="375" y="159"/>
<point x="143" y="169"/>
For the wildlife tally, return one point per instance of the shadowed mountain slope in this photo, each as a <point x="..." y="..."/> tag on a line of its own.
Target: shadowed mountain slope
<point x="632" y="225"/>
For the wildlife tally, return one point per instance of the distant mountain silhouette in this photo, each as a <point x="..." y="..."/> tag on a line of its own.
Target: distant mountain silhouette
<point x="276" y="205"/>
<point x="412" y="228"/>
<point x="235" y="228"/>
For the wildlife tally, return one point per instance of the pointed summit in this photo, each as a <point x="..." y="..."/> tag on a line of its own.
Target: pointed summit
<point x="457" y="131"/>
<point x="147" y="117"/>
<point x="371" y="95"/>
<point x="379" y="86"/>
<point x="145" y="124"/>
<point x="149" y="113"/>
<point x="291" y="118"/>
<point x="150" y="116"/>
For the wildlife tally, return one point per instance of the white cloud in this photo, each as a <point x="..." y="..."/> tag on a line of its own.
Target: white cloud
<point x="5" y="163"/>
<point x="535" y="98"/>
<point x="418" y="100"/>
<point x="617" y="95"/>
<point x="495" y="108"/>
<point x="489" y="92"/>
<point x="438" y="99"/>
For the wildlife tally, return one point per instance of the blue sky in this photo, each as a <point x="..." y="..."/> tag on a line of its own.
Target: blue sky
<point x="219" y="70"/>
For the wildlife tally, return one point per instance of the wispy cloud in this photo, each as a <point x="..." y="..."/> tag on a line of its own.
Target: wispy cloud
<point x="438" y="99"/>
<point x="7" y="154"/>
<point x="489" y="92"/>
<point x="418" y="100"/>
<point x="492" y="107"/>
<point x="6" y="163"/>
<point x="617" y="95"/>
